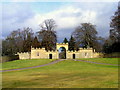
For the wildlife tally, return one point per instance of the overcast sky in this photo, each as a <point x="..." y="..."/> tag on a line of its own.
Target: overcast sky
<point x="67" y="15"/>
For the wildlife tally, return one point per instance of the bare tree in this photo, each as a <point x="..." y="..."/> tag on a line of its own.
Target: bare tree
<point x="85" y="35"/>
<point x="18" y="41"/>
<point x="48" y="24"/>
<point x="47" y="34"/>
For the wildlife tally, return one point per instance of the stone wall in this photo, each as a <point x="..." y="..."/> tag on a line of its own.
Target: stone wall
<point x="24" y="55"/>
<point x="55" y="54"/>
<point x="82" y="53"/>
<point x="38" y="53"/>
<point x="41" y="53"/>
<point x="69" y="54"/>
<point x="86" y="53"/>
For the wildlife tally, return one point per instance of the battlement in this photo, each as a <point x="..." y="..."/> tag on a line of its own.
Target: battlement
<point x="38" y="48"/>
<point x="72" y="51"/>
<point x="85" y="48"/>
<point x="24" y="55"/>
<point x="51" y="51"/>
<point x="62" y="43"/>
<point x="23" y="52"/>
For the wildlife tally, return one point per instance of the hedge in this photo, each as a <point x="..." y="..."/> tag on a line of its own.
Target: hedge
<point x="9" y="58"/>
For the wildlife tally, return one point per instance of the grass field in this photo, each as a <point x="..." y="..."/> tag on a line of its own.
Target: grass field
<point x="65" y="74"/>
<point x="102" y="60"/>
<point x="24" y="63"/>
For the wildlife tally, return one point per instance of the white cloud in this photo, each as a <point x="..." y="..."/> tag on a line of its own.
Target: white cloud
<point x="67" y="17"/>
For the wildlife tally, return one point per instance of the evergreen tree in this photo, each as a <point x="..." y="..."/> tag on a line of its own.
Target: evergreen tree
<point x="27" y="44"/>
<point x="36" y="43"/>
<point x="28" y="38"/>
<point x="72" y="44"/>
<point x="65" y="40"/>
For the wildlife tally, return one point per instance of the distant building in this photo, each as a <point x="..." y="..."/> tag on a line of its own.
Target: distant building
<point x="41" y="53"/>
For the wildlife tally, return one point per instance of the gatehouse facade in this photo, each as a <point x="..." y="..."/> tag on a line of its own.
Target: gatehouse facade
<point x="41" y="53"/>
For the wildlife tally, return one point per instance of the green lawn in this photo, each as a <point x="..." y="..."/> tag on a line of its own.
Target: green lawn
<point x="65" y="74"/>
<point x="24" y="63"/>
<point x="102" y="60"/>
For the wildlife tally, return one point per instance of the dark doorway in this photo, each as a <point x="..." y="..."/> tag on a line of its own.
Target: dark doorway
<point x="50" y="56"/>
<point x="62" y="53"/>
<point x="73" y="56"/>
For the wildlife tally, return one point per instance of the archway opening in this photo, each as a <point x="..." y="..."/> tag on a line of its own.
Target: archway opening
<point x="62" y="53"/>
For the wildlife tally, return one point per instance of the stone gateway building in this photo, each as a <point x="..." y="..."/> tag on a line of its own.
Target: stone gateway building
<point x="41" y="53"/>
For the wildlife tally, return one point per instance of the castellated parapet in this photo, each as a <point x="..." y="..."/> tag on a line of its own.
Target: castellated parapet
<point x="41" y="53"/>
<point x="24" y="55"/>
<point x="62" y="43"/>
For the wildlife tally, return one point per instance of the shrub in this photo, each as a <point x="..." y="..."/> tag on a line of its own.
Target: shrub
<point x="9" y="58"/>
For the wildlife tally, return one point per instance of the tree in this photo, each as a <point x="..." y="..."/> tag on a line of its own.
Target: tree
<point x="106" y="45"/>
<point x="113" y="42"/>
<point x="85" y="35"/>
<point x="47" y="34"/>
<point x="36" y="43"/>
<point x="98" y="44"/>
<point x="27" y="35"/>
<point x="48" y="24"/>
<point x="115" y="26"/>
<point x="65" y="40"/>
<point x="72" y="44"/>
<point x="18" y="41"/>
<point x="10" y="45"/>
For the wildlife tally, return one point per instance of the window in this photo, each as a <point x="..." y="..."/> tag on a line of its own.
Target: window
<point x="37" y="53"/>
<point x="85" y="54"/>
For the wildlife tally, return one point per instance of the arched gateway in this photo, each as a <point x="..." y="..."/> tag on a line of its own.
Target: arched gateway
<point x="62" y="50"/>
<point x="59" y="45"/>
<point x="41" y="53"/>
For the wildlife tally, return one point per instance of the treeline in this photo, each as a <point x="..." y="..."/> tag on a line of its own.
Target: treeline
<point x="22" y="40"/>
<point x="85" y="35"/>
